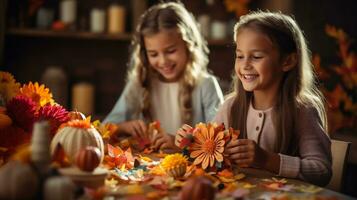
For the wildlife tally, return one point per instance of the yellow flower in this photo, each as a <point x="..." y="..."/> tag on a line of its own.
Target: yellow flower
<point x="208" y="146"/>
<point x="175" y="165"/>
<point x="173" y="160"/>
<point x="106" y="130"/>
<point x="38" y="93"/>
<point x="8" y="86"/>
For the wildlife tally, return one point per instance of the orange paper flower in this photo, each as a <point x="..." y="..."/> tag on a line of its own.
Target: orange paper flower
<point x="208" y="145"/>
<point x="38" y="93"/>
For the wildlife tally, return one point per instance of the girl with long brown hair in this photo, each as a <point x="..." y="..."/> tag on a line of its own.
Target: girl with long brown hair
<point x="168" y="79"/>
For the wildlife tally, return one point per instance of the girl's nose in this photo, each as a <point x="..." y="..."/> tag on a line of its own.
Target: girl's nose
<point x="162" y="60"/>
<point x="246" y="64"/>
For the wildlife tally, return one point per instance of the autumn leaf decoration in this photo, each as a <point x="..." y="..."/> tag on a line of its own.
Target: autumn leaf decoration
<point x="118" y="158"/>
<point x="153" y="129"/>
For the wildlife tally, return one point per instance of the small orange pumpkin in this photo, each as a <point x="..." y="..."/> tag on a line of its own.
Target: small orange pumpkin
<point x="88" y="158"/>
<point x="197" y="188"/>
<point x="76" y="115"/>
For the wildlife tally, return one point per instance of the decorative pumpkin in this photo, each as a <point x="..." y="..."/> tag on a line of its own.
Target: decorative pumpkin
<point x="198" y="188"/>
<point x="75" y="135"/>
<point x="73" y="115"/>
<point x="59" y="188"/>
<point x="18" y="181"/>
<point x="88" y="158"/>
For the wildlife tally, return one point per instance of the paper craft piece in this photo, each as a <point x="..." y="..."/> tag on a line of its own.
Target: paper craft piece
<point x="205" y="144"/>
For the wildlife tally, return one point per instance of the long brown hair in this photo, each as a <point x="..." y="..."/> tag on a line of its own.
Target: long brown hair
<point x="167" y="16"/>
<point x="297" y="89"/>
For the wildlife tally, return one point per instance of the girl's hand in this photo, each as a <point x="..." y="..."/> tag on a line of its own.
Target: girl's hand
<point x="243" y="152"/>
<point x="136" y="128"/>
<point x="181" y="133"/>
<point x="163" y="141"/>
<point x="246" y="152"/>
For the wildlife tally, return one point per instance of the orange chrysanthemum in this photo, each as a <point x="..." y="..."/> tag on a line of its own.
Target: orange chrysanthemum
<point x="38" y="93"/>
<point x="8" y="86"/>
<point x="208" y="145"/>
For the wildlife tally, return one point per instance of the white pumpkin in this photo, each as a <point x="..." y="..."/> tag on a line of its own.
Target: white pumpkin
<point x="58" y="188"/>
<point x="18" y="181"/>
<point x="73" y="139"/>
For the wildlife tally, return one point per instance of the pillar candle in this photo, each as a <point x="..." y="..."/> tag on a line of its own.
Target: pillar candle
<point x="116" y="19"/>
<point x="68" y="11"/>
<point x="204" y="21"/>
<point x="83" y="98"/>
<point x="218" y="30"/>
<point x="97" y="20"/>
<point x="44" y="18"/>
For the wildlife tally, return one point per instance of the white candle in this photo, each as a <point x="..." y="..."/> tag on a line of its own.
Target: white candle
<point x="68" y="11"/>
<point x="218" y="30"/>
<point x="83" y="98"/>
<point x="97" y="20"/>
<point x="116" y="19"/>
<point x="204" y="21"/>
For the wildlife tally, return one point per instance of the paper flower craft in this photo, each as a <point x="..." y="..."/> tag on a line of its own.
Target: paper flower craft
<point x="174" y="165"/>
<point x="205" y="144"/>
<point x="153" y="129"/>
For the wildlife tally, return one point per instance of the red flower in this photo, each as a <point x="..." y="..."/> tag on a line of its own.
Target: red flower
<point x="22" y="111"/>
<point x="55" y="114"/>
<point x="12" y="136"/>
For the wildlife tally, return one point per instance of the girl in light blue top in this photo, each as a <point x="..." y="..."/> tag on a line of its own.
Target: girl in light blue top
<point x="168" y="79"/>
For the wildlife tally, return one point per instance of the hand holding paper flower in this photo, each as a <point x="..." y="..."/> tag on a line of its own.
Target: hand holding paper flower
<point x="205" y="144"/>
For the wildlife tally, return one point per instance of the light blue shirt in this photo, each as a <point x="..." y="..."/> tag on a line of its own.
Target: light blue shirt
<point x="207" y="96"/>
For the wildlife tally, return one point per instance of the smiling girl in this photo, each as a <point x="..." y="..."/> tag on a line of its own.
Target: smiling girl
<point x="275" y="104"/>
<point x="168" y="79"/>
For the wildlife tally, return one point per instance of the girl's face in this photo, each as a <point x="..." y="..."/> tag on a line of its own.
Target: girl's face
<point x="257" y="62"/>
<point x="167" y="54"/>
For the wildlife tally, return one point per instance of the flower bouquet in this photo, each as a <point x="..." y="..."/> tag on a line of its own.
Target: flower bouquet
<point x="205" y="144"/>
<point x="21" y="107"/>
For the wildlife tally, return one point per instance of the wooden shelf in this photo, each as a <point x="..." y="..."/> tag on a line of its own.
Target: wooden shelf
<point x="25" y="32"/>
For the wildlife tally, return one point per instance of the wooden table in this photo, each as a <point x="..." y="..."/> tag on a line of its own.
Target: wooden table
<point x="257" y="175"/>
<point x="257" y="178"/>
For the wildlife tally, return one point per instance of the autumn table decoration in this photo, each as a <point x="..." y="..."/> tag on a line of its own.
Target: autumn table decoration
<point x="174" y="165"/>
<point x="205" y="144"/>
<point x="197" y="188"/>
<point x="145" y="143"/>
<point x="20" y="108"/>
<point x="75" y="135"/>
<point x="88" y="158"/>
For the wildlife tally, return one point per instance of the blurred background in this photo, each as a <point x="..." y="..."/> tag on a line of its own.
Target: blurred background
<point x="79" y="49"/>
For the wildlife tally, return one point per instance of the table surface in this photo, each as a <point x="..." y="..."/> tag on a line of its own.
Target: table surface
<point x="255" y="177"/>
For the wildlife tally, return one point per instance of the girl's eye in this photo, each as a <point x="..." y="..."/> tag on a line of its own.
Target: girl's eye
<point x="257" y="57"/>
<point x="239" y="57"/>
<point x="171" y="51"/>
<point x="152" y="54"/>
